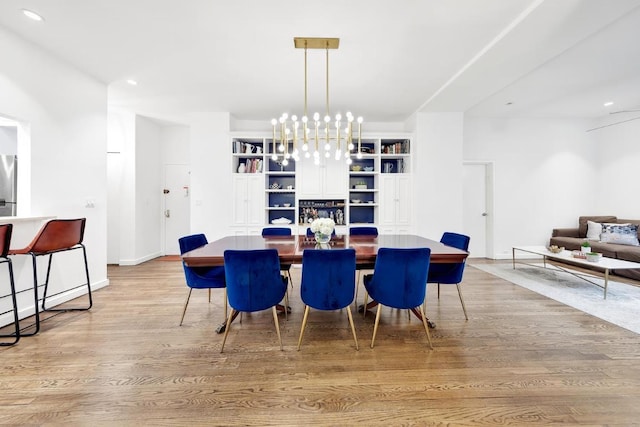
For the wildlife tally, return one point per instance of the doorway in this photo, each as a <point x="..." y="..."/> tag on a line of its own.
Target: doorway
<point x="478" y="208"/>
<point x="176" y="206"/>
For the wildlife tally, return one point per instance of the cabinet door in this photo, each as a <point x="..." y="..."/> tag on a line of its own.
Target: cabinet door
<point x="387" y="201"/>
<point x="309" y="177"/>
<point x="403" y="201"/>
<point x="255" y="201"/>
<point x="335" y="179"/>
<point x="240" y="199"/>
<point x="248" y="200"/>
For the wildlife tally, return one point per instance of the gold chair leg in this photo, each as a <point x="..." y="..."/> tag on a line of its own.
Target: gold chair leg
<point x="290" y="279"/>
<point x="226" y="329"/>
<point x="375" y="325"/>
<point x="426" y="327"/>
<point x="275" y="319"/>
<point x="186" y="303"/>
<point x="364" y="307"/>
<point x="462" y="301"/>
<point x="304" y="325"/>
<point x="210" y="297"/>
<point x="353" y="328"/>
<point x="225" y="302"/>
<point x="355" y="296"/>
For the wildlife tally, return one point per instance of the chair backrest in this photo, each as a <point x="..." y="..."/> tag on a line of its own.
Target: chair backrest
<point x="363" y="231"/>
<point x="328" y="278"/>
<point x="189" y="243"/>
<point x="276" y="231"/>
<point x="400" y="277"/>
<point x="200" y="277"/>
<point x="455" y="240"/>
<point x="253" y="279"/>
<point x="58" y="234"/>
<point x="5" y="239"/>
<point x="450" y="273"/>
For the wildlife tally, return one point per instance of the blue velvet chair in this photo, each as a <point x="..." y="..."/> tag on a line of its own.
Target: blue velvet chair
<point x="450" y="274"/>
<point x="200" y="277"/>
<point x="328" y="283"/>
<point x="5" y="242"/>
<point x="399" y="281"/>
<point x="280" y="231"/>
<point x="362" y="231"/>
<point x="254" y="283"/>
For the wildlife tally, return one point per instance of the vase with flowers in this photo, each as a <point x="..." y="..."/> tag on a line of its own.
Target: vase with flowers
<point x="322" y="228"/>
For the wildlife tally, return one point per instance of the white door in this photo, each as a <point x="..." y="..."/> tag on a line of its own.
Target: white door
<point x="176" y="206"/>
<point x="476" y="208"/>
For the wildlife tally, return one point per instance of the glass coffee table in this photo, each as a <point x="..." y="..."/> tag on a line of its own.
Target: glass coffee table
<point x="604" y="265"/>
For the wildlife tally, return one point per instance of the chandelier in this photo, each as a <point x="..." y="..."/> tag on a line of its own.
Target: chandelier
<point x="315" y="136"/>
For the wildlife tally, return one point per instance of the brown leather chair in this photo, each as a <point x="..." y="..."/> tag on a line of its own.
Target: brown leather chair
<point x="5" y="241"/>
<point x="57" y="235"/>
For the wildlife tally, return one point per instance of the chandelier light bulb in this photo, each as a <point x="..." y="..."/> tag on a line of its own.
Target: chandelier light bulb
<point x="294" y="118"/>
<point x="316" y="154"/>
<point x="349" y="161"/>
<point x="351" y="146"/>
<point x="316" y="116"/>
<point x="281" y="120"/>
<point x="307" y="155"/>
<point x="349" y="116"/>
<point x="287" y="156"/>
<point x="327" y="147"/>
<point x="327" y="154"/>
<point x="338" y="117"/>
<point x="287" y="131"/>
<point x="281" y="148"/>
<point x="316" y="161"/>
<point x="274" y="122"/>
<point x="327" y="119"/>
<point x="285" y="116"/>
<point x="305" y="119"/>
<point x="359" y="155"/>
<point x="285" y="162"/>
<point x="305" y="147"/>
<point x="274" y="157"/>
<point x="360" y="119"/>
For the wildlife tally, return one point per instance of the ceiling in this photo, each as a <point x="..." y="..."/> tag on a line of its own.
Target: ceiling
<point x="544" y="58"/>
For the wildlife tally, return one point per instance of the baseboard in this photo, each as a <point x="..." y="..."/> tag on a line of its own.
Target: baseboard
<point x="139" y="260"/>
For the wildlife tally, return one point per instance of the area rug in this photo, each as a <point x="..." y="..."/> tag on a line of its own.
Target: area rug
<point x="622" y="306"/>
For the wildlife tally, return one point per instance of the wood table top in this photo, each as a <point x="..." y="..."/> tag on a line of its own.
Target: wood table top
<point x="290" y="248"/>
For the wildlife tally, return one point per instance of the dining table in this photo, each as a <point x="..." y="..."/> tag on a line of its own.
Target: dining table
<point x="290" y="250"/>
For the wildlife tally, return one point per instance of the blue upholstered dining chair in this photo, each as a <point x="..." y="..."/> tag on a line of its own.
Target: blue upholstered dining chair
<point x="254" y="283"/>
<point x="200" y="277"/>
<point x="280" y="231"/>
<point x="399" y="281"/>
<point x="450" y="274"/>
<point x="5" y="242"/>
<point x="328" y="283"/>
<point x="368" y="231"/>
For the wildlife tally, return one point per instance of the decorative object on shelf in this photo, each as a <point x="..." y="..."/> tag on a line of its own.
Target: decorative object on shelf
<point x="322" y="228"/>
<point x="287" y="205"/>
<point x="281" y="220"/>
<point x="356" y="168"/>
<point x="242" y="168"/>
<point x="289" y="131"/>
<point x="360" y="186"/>
<point x="275" y="186"/>
<point x="368" y="168"/>
<point x="586" y="247"/>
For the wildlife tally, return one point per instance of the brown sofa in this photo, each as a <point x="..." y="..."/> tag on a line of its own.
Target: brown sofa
<point x="572" y="239"/>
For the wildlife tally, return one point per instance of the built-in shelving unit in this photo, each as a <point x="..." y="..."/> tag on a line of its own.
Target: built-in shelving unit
<point x="373" y="190"/>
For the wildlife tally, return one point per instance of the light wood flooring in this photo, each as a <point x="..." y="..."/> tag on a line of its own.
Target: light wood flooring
<point x="521" y="359"/>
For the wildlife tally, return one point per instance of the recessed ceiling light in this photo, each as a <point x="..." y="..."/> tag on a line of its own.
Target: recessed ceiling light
<point x="32" y="15"/>
<point x="132" y="82"/>
<point x="608" y="104"/>
<point x="509" y="103"/>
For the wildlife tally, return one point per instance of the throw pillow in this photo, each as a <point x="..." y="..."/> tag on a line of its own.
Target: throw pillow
<point x="594" y="229"/>
<point x="620" y="234"/>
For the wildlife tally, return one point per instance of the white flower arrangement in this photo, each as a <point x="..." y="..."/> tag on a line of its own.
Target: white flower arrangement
<point x="323" y="225"/>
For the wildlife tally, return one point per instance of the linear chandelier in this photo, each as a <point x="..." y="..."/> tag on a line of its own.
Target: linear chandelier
<point x="306" y="136"/>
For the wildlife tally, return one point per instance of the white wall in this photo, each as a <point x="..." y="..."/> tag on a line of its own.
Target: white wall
<point x="437" y="174"/>
<point x="618" y="160"/>
<point x="65" y="112"/>
<point x="545" y="175"/>
<point x="8" y="140"/>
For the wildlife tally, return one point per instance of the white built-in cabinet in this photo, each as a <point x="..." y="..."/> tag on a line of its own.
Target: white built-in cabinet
<point x="248" y="203"/>
<point x="395" y="204"/>
<point x="324" y="181"/>
<point x="374" y="190"/>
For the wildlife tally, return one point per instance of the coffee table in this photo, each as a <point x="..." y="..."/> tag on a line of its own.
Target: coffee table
<point x="604" y="266"/>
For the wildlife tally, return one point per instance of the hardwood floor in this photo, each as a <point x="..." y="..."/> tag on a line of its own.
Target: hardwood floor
<point x="521" y="359"/>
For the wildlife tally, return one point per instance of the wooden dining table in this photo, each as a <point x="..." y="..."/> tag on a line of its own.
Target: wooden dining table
<point x="290" y="249"/>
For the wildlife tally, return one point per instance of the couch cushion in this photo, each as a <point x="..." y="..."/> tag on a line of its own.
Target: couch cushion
<point x="606" y="249"/>
<point x="594" y="229"/>
<point x="620" y="234"/>
<point x="582" y="222"/>
<point x="631" y="221"/>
